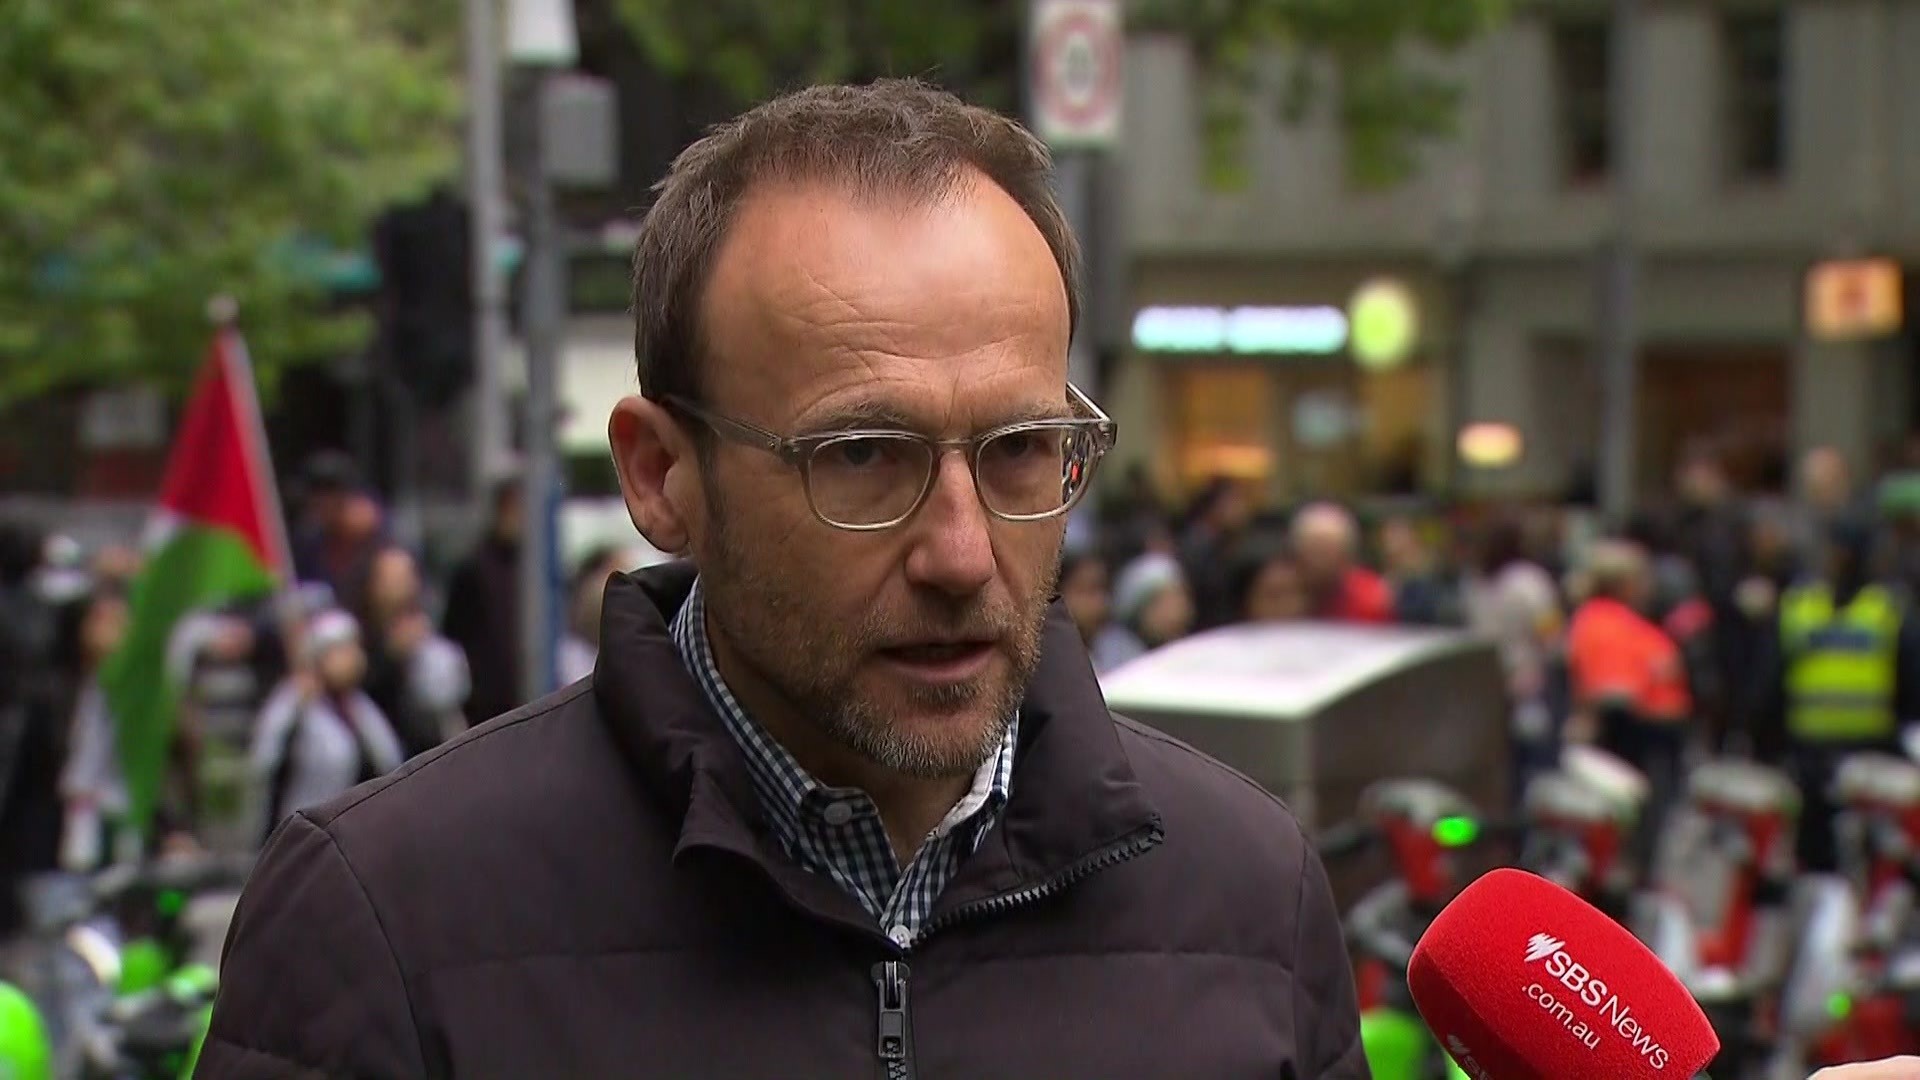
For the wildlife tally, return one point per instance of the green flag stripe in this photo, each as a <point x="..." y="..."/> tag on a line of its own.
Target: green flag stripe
<point x="198" y="566"/>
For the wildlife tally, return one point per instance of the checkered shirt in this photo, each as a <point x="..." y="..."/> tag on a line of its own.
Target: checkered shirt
<point x="837" y="831"/>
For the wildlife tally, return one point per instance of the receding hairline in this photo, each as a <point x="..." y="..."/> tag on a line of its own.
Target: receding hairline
<point x="892" y="141"/>
<point x="955" y="185"/>
<point x="965" y="180"/>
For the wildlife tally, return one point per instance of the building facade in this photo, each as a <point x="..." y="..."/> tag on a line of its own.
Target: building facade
<point x="1766" y="138"/>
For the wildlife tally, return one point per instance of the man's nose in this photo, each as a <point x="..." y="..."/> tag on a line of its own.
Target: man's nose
<point x="952" y="549"/>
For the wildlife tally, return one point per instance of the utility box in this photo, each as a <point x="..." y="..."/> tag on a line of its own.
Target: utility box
<point x="1315" y="711"/>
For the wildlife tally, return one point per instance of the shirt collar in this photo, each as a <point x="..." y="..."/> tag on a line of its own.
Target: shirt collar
<point x="786" y="791"/>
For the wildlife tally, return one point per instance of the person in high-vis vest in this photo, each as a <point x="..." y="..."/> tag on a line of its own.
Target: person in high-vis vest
<point x="1847" y="670"/>
<point x="1629" y="681"/>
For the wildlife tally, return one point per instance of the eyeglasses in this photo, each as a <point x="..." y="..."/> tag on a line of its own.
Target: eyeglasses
<point x="867" y="480"/>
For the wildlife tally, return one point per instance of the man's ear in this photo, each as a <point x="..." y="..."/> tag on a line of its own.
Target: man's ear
<point x="656" y="462"/>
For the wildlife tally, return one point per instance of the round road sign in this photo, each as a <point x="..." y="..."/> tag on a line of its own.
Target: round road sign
<point x="1077" y="78"/>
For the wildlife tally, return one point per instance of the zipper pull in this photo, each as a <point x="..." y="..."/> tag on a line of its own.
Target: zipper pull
<point x="890" y="979"/>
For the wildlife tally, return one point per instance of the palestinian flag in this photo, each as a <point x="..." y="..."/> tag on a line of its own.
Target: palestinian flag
<point x="216" y="537"/>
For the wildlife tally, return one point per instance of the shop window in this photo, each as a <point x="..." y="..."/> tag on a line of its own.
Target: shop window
<point x="1582" y="61"/>
<point x="1219" y="421"/>
<point x="1754" y="57"/>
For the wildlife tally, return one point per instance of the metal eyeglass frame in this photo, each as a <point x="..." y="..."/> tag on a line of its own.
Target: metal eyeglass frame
<point x="798" y="451"/>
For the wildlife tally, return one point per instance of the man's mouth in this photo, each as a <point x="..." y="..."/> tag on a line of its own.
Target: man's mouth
<point x="937" y="652"/>
<point x="941" y="661"/>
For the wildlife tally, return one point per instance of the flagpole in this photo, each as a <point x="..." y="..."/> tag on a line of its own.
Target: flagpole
<point x="224" y="312"/>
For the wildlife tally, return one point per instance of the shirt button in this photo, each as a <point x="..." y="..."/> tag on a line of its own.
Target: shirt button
<point x="900" y="936"/>
<point x="837" y="814"/>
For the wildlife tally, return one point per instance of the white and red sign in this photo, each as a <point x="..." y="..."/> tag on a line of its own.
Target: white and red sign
<point x="1076" y="55"/>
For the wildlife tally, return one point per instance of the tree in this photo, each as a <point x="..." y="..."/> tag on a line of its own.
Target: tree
<point x="158" y="154"/>
<point x="1361" y="49"/>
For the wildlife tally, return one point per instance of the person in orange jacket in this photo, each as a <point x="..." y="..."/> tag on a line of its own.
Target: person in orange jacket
<point x="1629" y="679"/>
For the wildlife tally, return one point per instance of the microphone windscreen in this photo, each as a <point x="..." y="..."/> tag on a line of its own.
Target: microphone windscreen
<point x="1520" y="979"/>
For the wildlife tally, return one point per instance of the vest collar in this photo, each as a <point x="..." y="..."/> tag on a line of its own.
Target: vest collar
<point x="1074" y="793"/>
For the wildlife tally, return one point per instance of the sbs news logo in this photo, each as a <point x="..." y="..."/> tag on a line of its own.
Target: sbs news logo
<point x="1591" y="991"/>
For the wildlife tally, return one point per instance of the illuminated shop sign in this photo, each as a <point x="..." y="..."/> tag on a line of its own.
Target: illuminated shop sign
<point x="1491" y="446"/>
<point x="1318" y="331"/>
<point x="1380" y="326"/>
<point x="1853" y="299"/>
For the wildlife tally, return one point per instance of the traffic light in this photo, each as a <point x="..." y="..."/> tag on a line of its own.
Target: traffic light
<point x="426" y="297"/>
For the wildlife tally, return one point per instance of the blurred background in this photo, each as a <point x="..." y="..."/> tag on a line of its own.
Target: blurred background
<point x="1445" y="318"/>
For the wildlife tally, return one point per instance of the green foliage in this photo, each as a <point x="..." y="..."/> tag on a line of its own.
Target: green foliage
<point x="160" y="153"/>
<point x="752" y="48"/>
<point x="1386" y="103"/>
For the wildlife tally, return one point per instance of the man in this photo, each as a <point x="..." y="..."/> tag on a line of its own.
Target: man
<point x="849" y="802"/>
<point x="340" y="526"/>
<point x="1842" y="678"/>
<point x="1326" y="542"/>
<point x="1216" y="524"/>
<point x="483" y="609"/>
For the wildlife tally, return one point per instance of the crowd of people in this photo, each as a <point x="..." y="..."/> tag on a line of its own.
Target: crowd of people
<point x="1714" y="622"/>
<point x="287" y="699"/>
<point x="1667" y="641"/>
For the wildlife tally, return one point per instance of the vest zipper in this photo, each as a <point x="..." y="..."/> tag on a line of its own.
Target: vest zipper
<point x="895" y="1045"/>
<point x="1134" y="845"/>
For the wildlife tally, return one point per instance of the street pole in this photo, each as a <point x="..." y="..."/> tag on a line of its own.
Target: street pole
<point x="1073" y="173"/>
<point x="1618" y="329"/>
<point x="487" y="212"/>
<point x="545" y="326"/>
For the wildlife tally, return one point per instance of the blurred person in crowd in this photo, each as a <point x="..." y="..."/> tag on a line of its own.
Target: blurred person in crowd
<point x="319" y="733"/>
<point x="1629" y="680"/>
<point x="31" y="729"/>
<point x="846" y="769"/>
<point x="1152" y="605"/>
<point x="224" y="660"/>
<point x="1676" y="600"/>
<point x="1770" y="564"/>
<point x="1133" y="517"/>
<point x="1843" y="676"/>
<point x="1326" y="543"/>
<point x="580" y="646"/>
<point x="1270" y="587"/>
<point x="93" y="791"/>
<point x="117" y="563"/>
<point x="1083" y="588"/>
<point x="418" y="678"/>
<point x="1824" y="495"/>
<point x="483" y="609"/>
<point x="1710" y="533"/>
<point x="1214" y="526"/>
<point x="1514" y="602"/>
<point x="1421" y="594"/>
<point x="340" y="526"/>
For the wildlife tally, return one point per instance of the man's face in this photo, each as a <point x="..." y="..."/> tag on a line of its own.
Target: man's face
<point x="1824" y="479"/>
<point x="342" y="666"/>
<point x="507" y="523"/>
<point x="913" y="645"/>
<point x="1322" y="553"/>
<point x="395" y="582"/>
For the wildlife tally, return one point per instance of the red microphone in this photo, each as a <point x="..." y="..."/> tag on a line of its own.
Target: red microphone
<point x="1521" y="979"/>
